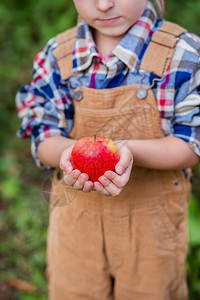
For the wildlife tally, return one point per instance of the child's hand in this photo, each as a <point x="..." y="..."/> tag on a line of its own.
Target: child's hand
<point x="74" y="178"/>
<point x="112" y="183"/>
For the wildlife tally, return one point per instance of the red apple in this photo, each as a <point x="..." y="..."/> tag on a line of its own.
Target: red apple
<point x="94" y="155"/>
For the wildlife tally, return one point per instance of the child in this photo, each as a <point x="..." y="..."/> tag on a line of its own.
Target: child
<point x="126" y="73"/>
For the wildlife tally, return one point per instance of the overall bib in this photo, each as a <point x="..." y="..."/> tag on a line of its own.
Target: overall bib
<point x="132" y="246"/>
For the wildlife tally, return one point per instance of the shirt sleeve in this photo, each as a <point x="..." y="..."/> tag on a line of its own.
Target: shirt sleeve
<point x="186" y="120"/>
<point x="45" y="106"/>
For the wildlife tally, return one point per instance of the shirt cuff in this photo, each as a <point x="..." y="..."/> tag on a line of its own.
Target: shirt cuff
<point x="35" y="142"/>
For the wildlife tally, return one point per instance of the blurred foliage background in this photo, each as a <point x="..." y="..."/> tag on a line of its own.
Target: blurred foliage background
<point x="25" y="27"/>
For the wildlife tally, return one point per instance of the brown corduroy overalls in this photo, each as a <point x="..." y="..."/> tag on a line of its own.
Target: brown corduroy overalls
<point x="132" y="246"/>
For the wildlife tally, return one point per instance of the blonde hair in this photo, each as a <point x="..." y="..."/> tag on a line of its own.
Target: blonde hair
<point x="160" y="6"/>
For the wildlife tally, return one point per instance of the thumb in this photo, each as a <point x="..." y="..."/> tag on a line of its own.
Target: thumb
<point x="126" y="158"/>
<point x="65" y="163"/>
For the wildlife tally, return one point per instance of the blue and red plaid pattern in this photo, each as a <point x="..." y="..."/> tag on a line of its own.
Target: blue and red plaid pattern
<point x="45" y="106"/>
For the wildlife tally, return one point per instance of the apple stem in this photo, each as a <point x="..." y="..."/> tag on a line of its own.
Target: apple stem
<point x="95" y="137"/>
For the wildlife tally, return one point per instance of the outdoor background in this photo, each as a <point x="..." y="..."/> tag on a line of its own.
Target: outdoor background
<point x="25" y="27"/>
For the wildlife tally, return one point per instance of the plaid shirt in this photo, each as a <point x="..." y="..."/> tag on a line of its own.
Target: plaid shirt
<point x="46" y="108"/>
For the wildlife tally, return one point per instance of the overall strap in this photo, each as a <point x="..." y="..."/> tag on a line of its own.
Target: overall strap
<point x="63" y="52"/>
<point x="161" y="48"/>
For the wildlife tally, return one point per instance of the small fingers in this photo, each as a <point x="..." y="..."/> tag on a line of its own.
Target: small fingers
<point x="107" y="187"/>
<point x="79" y="181"/>
<point x="119" y="180"/>
<point x="72" y="177"/>
<point x="100" y="188"/>
<point x="83" y="183"/>
<point x="88" y="186"/>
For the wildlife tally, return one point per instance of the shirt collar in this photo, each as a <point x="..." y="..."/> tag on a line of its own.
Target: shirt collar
<point x="128" y="50"/>
<point x="84" y="48"/>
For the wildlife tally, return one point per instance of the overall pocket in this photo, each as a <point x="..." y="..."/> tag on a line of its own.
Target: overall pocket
<point x="132" y="122"/>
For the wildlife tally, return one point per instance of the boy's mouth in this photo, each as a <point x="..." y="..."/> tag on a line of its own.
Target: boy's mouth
<point x="109" y="20"/>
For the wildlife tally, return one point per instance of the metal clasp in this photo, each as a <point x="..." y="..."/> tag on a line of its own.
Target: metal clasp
<point x="141" y="92"/>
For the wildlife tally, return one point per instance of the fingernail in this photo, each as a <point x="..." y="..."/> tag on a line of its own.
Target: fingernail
<point x="103" y="180"/>
<point x="84" y="177"/>
<point x="120" y="170"/>
<point x="76" y="173"/>
<point x="109" y="175"/>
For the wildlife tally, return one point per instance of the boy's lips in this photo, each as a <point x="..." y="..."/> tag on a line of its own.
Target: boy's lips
<point x="109" y="20"/>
